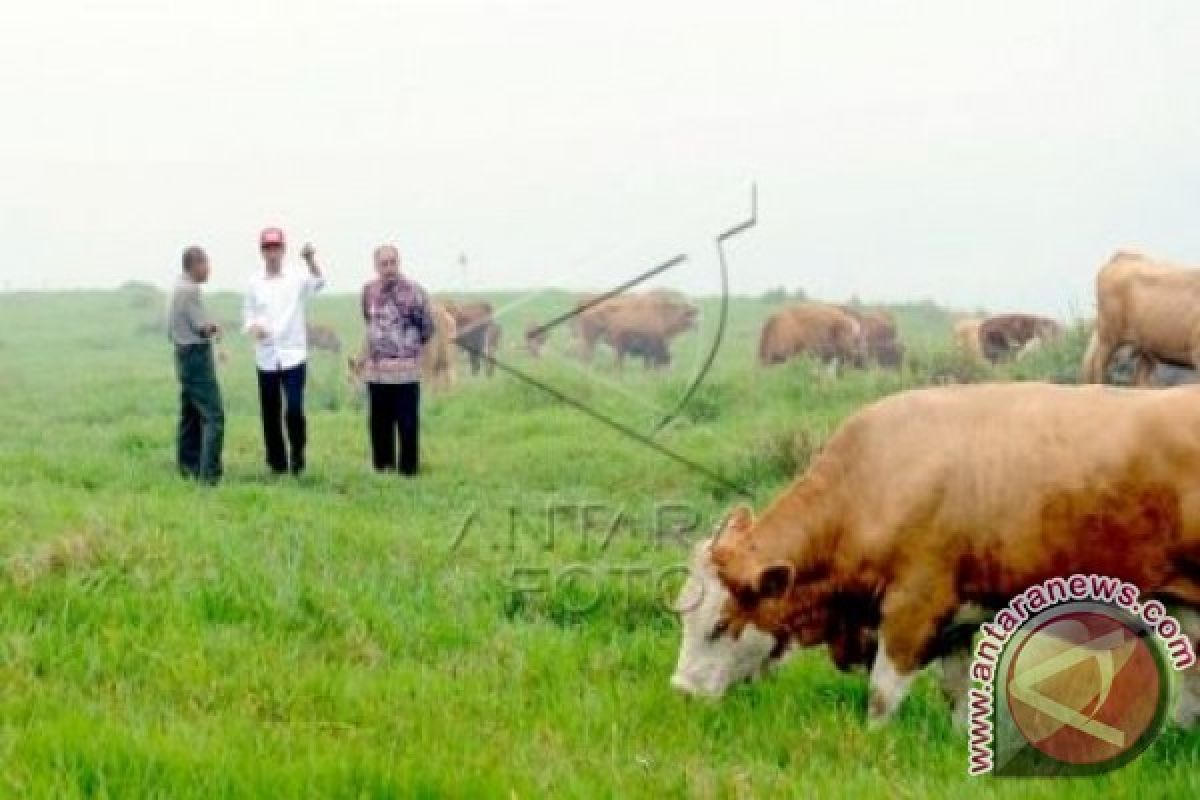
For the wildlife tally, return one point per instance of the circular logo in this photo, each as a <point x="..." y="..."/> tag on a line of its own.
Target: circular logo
<point x="1087" y="686"/>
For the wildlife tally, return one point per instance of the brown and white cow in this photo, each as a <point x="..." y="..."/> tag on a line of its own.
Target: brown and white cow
<point x="1152" y="306"/>
<point x="1002" y="337"/>
<point x="1007" y="336"/>
<point x="933" y="501"/>
<point x="712" y="659"/>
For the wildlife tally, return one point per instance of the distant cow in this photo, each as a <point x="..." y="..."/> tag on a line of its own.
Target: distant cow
<point x="322" y="337"/>
<point x="645" y="329"/>
<point x="1151" y="306"/>
<point x="478" y="334"/>
<point x="639" y="324"/>
<point x="822" y="331"/>
<point x="883" y="342"/>
<point x="1007" y="336"/>
<point x="437" y="357"/>
<point x="929" y="502"/>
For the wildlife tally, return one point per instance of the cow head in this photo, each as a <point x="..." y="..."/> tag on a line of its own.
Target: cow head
<point x="743" y="611"/>
<point x="716" y="651"/>
<point x="686" y="317"/>
<point x="858" y="346"/>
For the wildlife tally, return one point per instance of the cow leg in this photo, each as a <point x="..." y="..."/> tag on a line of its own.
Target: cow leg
<point x="913" y="616"/>
<point x="493" y="347"/>
<point x="1095" y="361"/>
<point x="955" y="682"/>
<point x="889" y="685"/>
<point x="1143" y="373"/>
<point x="1187" y="708"/>
<point x="956" y="652"/>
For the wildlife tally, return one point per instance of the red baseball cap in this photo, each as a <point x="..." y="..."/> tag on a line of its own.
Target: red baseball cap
<point x="271" y="237"/>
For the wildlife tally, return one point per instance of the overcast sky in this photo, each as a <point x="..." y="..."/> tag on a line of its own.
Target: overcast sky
<point x="981" y="154"/>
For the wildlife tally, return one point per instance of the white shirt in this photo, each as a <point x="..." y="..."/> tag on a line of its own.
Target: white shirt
<point x="276" y="303"/>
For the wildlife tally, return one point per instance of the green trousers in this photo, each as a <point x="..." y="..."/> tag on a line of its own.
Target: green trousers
<point x="201" y="432"/>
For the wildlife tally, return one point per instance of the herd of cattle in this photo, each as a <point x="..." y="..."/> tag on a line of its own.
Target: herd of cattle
<point x="645" y="324"/>
<point x="1147" y="316"/>
<point x="933" y="507"/>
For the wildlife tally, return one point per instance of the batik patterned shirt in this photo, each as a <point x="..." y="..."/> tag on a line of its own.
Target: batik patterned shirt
<point x="399" y="323"/>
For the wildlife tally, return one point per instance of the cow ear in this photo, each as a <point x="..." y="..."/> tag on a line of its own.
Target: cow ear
<point x="774" y="580"/>
<point x="741" y="518"/>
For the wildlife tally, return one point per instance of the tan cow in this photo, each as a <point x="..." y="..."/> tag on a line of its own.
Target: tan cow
<point x="478" y="334"/>
<point x="822" y="331"/>
<point x="966" y="338"/>
<point x="638" y="324"/>
<point x="932" y="501"/>
<point x="1152" y="306"/>
<point x="437" y="357"/>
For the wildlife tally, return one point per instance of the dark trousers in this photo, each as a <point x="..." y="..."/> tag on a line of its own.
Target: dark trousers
<point x="201" y="433"/>
<point x="274" y="388"/>
<point x="394" y="410"/>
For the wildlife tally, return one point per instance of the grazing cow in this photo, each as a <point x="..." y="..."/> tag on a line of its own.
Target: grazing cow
<point x="322" y="337"/>
<point x="634" y="324"/>
<point x="709" y="664"/>
<point x="1007" y="336"/>
<point x="879" y="327"/>
<point x="645" y="329"/>
<point x="822" y="331"/>
<point x="1152" y="306"/>
<point x="478" y="333"/>
<point x="932" y="501"/>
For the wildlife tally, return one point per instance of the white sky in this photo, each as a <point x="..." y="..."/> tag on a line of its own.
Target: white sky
<point x="976" y="153"/>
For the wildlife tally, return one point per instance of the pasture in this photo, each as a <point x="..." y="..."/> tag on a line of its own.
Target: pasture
<point x="477" y="632"/>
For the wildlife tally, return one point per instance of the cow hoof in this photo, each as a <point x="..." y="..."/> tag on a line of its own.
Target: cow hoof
<point x="878" y="712"/>
<point x="959" y="718"/>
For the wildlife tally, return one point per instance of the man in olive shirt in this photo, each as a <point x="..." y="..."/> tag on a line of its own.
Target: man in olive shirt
<point x="202" y="416"/>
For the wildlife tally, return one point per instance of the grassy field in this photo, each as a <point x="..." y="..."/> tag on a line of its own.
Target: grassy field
<point x="477" y="632"/>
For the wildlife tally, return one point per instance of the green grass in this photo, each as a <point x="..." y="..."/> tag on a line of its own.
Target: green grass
<point x="341" y="637"/>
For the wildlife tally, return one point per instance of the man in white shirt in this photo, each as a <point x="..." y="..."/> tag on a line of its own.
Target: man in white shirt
<point x="273" y="313"/>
